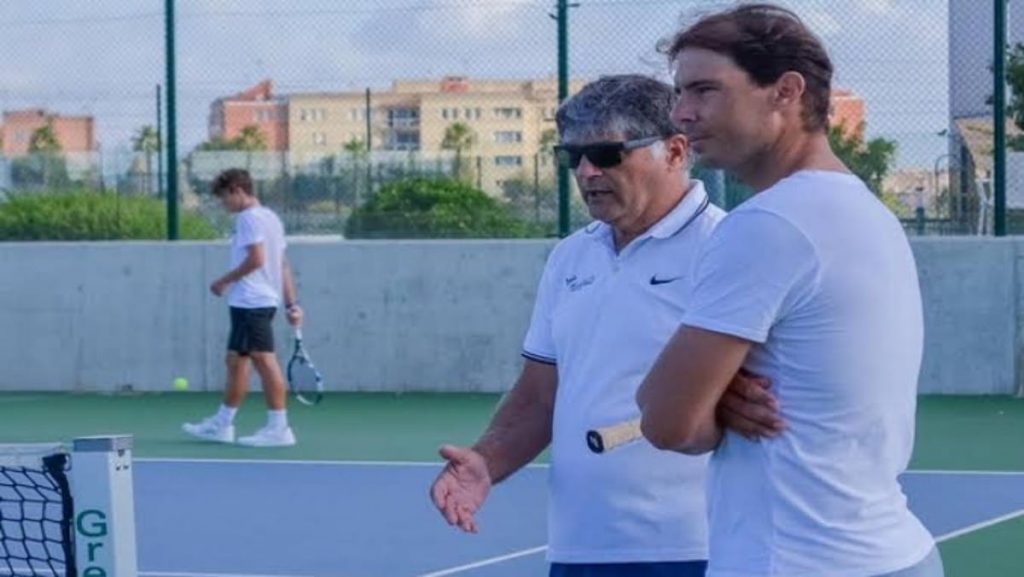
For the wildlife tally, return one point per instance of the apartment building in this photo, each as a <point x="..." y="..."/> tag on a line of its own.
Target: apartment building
<point x="256" y="106"/>
<point x="76" y="134"/>
<point x="510" y="122"/>
<point x="507" y="120"/>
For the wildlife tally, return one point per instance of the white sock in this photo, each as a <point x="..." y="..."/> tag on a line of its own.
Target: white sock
<point x="277" y="419"/>
<point x="226" y="414"/>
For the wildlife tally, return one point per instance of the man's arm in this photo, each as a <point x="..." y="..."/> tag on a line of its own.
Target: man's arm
<point x="678" y="397"/>
<point x="254" y="258"/>
<point x="521" y="427"/>
<point x="290" y="296"/>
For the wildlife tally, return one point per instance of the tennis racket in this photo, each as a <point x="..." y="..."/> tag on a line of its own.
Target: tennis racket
<point x="607" y="438"/>
<point x="303" y="378"/>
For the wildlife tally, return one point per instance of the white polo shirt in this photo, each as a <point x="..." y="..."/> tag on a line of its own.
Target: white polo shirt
<point x="603" y="318"/>
<point x="819" y="275"/>
<point x="262" y="287"/>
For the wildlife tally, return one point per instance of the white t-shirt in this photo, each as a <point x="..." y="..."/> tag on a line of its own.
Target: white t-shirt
<point x="262" y="287"/>
<point x="603" y="318"/>
<point x="819" y="275"/>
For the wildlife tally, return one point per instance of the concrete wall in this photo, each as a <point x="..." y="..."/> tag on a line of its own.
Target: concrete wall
<point x="434" y="315"/>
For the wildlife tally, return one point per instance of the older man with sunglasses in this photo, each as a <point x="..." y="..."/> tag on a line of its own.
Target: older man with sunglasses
<point x="610" y="297"/>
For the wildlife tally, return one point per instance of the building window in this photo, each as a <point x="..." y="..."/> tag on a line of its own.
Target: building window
<point x="508" y="136"/>
<point x="444" y="113"/>
<point x="403" y="117"/>
<point x="319" y="139"/>
<point x="508" y="113"/>
<point x="403" y="141"/>
<point x="312" y="115"/>
<point x="508" y="160"/>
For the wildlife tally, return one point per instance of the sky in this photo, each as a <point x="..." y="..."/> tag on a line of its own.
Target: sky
<point x="105" y="57"/>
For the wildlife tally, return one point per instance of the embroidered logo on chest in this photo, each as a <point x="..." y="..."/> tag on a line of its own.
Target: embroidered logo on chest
<point x="575" y="283"/>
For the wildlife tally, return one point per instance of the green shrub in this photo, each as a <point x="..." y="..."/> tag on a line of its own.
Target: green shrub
<point x="91" y="215"/>
<point x="434" y="208"/>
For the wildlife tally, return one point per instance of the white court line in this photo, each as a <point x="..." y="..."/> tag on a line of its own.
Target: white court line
<point x="308" y="462"/>
<point x="486" y="562"/>
<point x="19" y="570"/>
<point x="968" y="472"/>
<point x="979" y="526"/>
<point x="437" y="463"/>
<point x="207" y="574"/>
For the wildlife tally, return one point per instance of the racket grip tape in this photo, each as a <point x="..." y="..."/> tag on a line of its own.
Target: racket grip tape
<point x="607" y="438"/>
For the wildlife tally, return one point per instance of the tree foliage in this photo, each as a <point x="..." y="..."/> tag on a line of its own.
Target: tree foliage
<point x="872" y="160"/>
<point x="421" y="207"/>
<point x="250" y="139"/>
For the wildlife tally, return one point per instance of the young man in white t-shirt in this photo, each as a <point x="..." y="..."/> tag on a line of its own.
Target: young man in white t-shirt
<point x="610" y="297"/>
<point x="810" y="283"/>
<point x="259" y="274"/>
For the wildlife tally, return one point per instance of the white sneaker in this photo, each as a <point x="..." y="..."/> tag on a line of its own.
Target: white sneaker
<point x="269" y="437"/>
<point x="211" y="429"/>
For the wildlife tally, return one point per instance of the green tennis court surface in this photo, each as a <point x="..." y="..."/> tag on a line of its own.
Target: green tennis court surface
<point x="978" y="513"/>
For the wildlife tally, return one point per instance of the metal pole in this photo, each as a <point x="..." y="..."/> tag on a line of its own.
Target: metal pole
<point x="999" y="103"/>
<point x="172" y="127"/>
<point x="369" y="147"/>
<point x="159" y="144"/>
<point x="536" y="187"/>
<point x="563" y="93"/>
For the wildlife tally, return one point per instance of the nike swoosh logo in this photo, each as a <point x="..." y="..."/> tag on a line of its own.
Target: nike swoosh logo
<point x="656" y="281"/>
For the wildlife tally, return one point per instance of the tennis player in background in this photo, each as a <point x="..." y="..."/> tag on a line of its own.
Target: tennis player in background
<point x="610" y="297"/>
<point x="254" y="285"/>
<point x="810" y="283"/>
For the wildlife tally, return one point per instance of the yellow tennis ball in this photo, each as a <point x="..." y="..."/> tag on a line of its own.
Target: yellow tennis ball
<point x="181" y="384"/>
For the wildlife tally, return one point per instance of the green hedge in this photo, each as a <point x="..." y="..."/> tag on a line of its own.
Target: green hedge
<point x="92" y="215"/>
<point x="435" y="208"/>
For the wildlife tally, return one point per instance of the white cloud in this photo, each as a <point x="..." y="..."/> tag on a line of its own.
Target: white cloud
<point x="822" y="22"/>
<point x="878" y="7"/>
<point x="106" y="61"/>
<point x="480" y="21"/>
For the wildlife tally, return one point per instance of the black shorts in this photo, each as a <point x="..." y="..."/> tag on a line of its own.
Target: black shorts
<point x="252" y="330"/>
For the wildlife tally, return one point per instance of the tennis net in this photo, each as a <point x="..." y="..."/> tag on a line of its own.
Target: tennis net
<point x="67" y="513"/>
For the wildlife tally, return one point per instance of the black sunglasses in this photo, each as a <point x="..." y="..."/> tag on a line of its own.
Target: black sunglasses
<point x="600" y="154"/>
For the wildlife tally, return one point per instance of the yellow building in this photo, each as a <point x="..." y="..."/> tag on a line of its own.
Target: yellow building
<point x="507" y="119"/>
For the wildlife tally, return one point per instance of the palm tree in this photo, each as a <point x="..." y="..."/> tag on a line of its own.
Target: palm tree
<point x="251" y="139"/>
<point x="458" y="137"/>
<point x="548" y="138"/>
<point x="44" y="139"/>
<point x="147" y="142"/>
<point x="357" y="153"/>
<point x="44" y="145"/>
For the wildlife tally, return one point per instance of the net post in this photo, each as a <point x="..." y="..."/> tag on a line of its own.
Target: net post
<point x="101" y="484"/>
<point x="56" y="465"/>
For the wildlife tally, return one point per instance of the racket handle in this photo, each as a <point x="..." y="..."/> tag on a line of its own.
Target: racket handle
<point x="607" y="438"/>
<point x="298" y="333"/>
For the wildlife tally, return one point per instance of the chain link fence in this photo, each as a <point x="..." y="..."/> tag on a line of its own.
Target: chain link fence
<point x="330" y="104"/>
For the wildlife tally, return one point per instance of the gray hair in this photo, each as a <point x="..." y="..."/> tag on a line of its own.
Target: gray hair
<point x="631" y="105"/>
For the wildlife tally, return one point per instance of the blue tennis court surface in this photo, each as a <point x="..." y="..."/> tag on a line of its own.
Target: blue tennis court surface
<point x="320" y="519"/>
